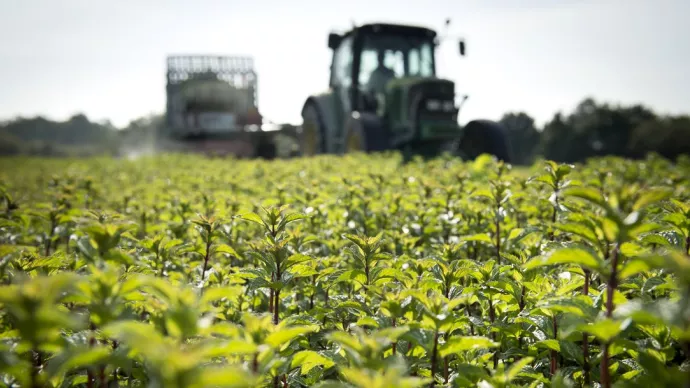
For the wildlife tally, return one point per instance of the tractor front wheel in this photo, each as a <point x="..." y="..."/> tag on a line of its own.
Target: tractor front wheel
<point x="485" y="137"/>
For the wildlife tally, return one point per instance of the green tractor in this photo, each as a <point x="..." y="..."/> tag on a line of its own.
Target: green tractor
<point x="384" y="95"/>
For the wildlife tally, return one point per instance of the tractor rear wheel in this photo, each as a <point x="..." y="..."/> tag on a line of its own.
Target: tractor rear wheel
<point x="485" y="137"/>
<point x="311" y="137"/>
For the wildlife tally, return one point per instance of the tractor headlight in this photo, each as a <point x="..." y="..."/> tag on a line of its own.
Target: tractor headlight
<point x="433" y="105"/>
<point x="437" y="105"/>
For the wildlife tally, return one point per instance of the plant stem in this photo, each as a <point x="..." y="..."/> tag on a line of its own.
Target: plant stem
<point x="49" y="243"/>
<point x="498" y="240"/>
<point x="492" y="317"/>
<point x="270" y="301"/>
<point x="276" y="307"/>
<point x="521" y="304"/>
<point x="612" y="283"/>
<point x="610" y="289"/>
<point x="446" y="372"/>
<point x="37" y="361"/>
<point x="206" y="257"/>
<point x="554" y="354"/>
<point x="366" y="271"/>
<point x="585" y="338"/>
<point x="395" y="344"/>
<point x="276" y="296"/>
<point x="90" y="378"/>
<point x="434" y="356"/>
<point x="605" y="378"/>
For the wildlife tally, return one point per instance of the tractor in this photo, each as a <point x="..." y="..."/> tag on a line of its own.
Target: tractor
<point x="384" y="94"/>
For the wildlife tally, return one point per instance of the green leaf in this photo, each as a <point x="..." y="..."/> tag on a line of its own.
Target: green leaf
<point x="345" y="339"/>
<point x="353" y="275"/>
<point x="309" y="359"/>
<point x="606" y="329"/>
<point x="213" y="294"/>
<point x="367" y="321"/>
<point x="650" y="197"/>
<point x="587" y="193"/>
<point x="480" y="237"/>
<point x="465" y="343"/>
<point x="226" y="376"/>
<point x="300" y="271"/>
<point x="283" y="336"/>
<point x="297" y="259"/>
<point x="571" y="351"/>
<point x="291" y="218"/>
<point x="253" y="217"/>
<point x="119" y="256"/>
<point x="225" y="248"/>
<point x="577" y="256"/>
<point x="579" y="230"/>
<point x="545" y="178"/>
<point x="517" y="366"/>
<point x="551" y="344"/>
<point x="632" y="268"/>
<point x="561" y="380"/>
<point x="673" y="261"/>
<point x="235" y="347"/>
<point x="77" y="358"/>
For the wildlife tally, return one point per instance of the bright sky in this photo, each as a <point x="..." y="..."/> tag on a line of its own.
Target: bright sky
<point x="107" y="58"/>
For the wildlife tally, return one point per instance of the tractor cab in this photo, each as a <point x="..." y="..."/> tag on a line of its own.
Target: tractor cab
<point x="369" y="57"/>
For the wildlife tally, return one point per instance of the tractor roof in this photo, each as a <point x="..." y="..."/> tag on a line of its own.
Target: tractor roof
<point x="398" y="29"/>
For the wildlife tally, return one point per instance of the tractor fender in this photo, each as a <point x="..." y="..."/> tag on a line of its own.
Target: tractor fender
<point x="325" y="106"/>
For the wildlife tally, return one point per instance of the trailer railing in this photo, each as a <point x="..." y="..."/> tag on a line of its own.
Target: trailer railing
<point x="237" y="70"/>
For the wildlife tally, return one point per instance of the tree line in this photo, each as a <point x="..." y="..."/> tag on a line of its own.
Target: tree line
<point x="591" y="129"/>
<point x="598" y="129"/>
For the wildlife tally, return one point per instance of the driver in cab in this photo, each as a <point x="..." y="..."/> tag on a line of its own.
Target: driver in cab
<point x="380" y="76"/>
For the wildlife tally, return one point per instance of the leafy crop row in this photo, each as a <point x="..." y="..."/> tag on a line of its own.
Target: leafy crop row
<point x="344" y="271"/>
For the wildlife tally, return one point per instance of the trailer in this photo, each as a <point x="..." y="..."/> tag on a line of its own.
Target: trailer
<point x="211" y="107"/>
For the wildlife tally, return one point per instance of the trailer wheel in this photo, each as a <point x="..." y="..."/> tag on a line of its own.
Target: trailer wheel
<point x="266" y="150"/>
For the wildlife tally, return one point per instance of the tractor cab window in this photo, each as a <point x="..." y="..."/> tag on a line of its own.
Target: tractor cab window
<point x="421" y="61"/>
<point x="342" y="64"/>
<point x="393" y="60"/>
<point x="388" y="56"/>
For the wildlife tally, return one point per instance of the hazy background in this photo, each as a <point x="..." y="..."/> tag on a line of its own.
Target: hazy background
<point x="107" y="59"/>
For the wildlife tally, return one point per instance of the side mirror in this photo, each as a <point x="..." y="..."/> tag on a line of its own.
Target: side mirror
<point x="462" y="48"/>
<point x="333" y="40"/>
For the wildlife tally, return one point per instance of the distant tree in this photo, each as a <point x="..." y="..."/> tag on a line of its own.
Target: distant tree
<point x="593" y="129"/>
<point x="10" y="144"/>
<point x="54" y="137"/>
<point x="522" y="135"/>
<point x="667" y="136"/>
<point x="557" y="137"/>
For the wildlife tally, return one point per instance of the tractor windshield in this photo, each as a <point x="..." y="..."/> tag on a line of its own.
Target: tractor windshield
<point x="403" y="56"/>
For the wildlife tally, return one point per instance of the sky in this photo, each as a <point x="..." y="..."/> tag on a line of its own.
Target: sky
<point x="106" y="59"/>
